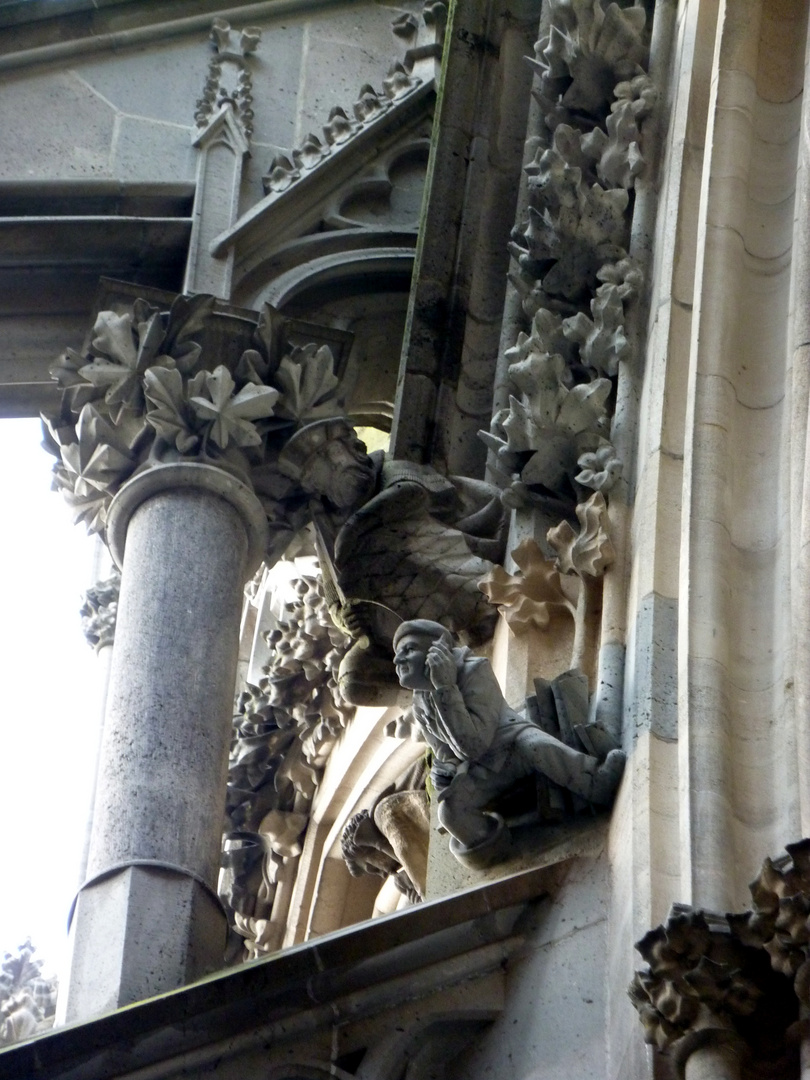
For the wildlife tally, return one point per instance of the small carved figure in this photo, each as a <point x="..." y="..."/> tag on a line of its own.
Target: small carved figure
<point x="480" y="745"/>
<point x="391" y="837"/>
<point x="395" y="540"/>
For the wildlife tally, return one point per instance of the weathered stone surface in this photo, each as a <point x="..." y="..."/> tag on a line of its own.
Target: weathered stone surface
<point x="74" y="125"/>
<point x="167" y="715"/>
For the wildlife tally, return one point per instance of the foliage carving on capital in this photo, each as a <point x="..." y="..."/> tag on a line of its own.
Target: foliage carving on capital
<point x="779" y="919"/>
<point x="150" y="391"/>
<point x="743" y="974"/>
<point x="695" y="976"/>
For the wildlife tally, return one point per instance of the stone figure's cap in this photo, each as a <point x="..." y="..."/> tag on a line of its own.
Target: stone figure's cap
<point x="426" y="627"/>
<point x="308" y="441"/>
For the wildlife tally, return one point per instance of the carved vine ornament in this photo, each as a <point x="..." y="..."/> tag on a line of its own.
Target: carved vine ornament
<point x="552" y="445"/>
<point x="736" y="981"/>
<point x="284" y="730"/>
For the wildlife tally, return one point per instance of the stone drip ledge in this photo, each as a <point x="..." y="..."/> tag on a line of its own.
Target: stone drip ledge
<point x="333" y="979"/>
<point x="149" y="24"/>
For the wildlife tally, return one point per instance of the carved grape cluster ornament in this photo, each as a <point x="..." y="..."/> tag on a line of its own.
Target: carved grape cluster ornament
<point x="147" y="392"/>
<point x="284" y="730"/>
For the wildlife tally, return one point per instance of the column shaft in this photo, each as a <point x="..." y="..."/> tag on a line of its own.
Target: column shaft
<point x="150" y="906"/>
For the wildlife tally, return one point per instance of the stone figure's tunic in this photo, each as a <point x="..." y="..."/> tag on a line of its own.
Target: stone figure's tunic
<point x="471" y="722"/>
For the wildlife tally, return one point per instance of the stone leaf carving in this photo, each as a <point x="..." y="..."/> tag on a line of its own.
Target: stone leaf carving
<point x="586" y="554"/>
<point x="585" y="51"/>
<point x="587" y="229"/>
<point x="283" y="733"/>
<point x="146" y="393"/>
<point x="27" y="1000"/>
<point x="589" y="552"/>
<point x="778" y="921"/>
<point x="692" y="967"/>
<point x="707" y="974"/>
<point x="573" y="272"/>
<point x="599" y="470"/>
<point x="99" y="611"/>
<point x="545" y="432"/>
<point x="535" y="595"/>
<point x="308" y="383"/>
<point x="227" y="413"/>
<point x="601" y="340"/>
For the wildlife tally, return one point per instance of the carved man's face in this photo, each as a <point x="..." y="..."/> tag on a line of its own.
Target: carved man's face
<point x="342" y="471"/>
<point x="409" y="661"/>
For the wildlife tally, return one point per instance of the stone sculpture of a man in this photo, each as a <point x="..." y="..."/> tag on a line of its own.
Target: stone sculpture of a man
<point x="395" y="540"/>
<point x="480" y="745"/>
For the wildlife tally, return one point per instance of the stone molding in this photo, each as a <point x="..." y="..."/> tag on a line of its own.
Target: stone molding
<point x="194" y="475"/>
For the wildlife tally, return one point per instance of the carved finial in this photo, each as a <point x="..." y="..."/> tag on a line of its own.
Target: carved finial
<point x="229" y="80"/>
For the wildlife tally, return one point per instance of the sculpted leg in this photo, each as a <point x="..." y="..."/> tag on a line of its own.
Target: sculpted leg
<point x="460" y="810"/>
<point x="578" y="772"/>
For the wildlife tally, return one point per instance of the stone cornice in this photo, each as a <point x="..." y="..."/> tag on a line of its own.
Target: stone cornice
<point x="337" y="977"/>
<point x="91" y="36"/>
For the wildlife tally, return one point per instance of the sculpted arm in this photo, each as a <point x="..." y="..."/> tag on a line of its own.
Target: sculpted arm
<point x="468" y="703"/>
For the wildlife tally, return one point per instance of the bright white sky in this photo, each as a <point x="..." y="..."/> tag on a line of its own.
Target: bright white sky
<point x="48" y="699"/>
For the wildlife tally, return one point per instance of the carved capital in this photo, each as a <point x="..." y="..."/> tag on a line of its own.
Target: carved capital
<point x="779" y="921"/>
<point x="186" y="386"/>
<point x="732" y="986"/>
<point x="695" y="978"/>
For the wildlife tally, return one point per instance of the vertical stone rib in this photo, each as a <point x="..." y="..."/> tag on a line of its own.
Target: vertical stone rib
<point x="800" y="463"/>
<point x="735" y="776"/>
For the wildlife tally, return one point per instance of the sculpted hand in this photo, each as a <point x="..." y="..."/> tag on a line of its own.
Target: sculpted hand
<point x="348" y="618"/>
<point x="441" y="665"/>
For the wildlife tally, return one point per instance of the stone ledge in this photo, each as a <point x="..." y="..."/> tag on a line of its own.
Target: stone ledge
<point x="320" y="982"/>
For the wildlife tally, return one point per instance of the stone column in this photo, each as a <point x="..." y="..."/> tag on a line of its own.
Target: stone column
<point x="147" y="919"/>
